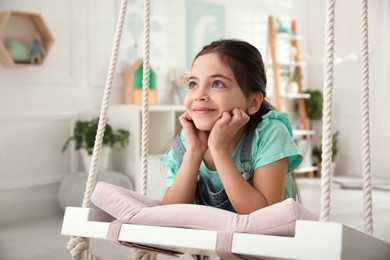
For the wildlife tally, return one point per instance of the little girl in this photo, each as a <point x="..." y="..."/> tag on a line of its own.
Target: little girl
<point x="234" y="151"/>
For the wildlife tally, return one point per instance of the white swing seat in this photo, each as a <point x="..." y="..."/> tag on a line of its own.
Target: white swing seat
<point x="284" y="230"/>
<point x="312" y="240"/>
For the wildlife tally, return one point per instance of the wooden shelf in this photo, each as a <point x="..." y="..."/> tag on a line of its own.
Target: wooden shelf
<point x="288" y="42"/>
<point x="292" y="64"/>
<point x="22" y="27"/>
<point x="299" y="133"/>
<point x="296" y="95"/>
<point x="304" y="170"/>
<point x="289" y="36"/>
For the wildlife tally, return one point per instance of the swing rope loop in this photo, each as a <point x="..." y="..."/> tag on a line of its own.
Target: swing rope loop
<point x="327" y="113"/>
<point x="366" y="165"/>
<point x="80" y="246"/>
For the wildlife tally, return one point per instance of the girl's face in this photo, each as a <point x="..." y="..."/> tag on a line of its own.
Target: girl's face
<point x="212" y="90"/>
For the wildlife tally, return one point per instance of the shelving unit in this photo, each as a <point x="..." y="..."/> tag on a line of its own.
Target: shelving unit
<point x="22" y="27"/>
<point x="282" y="98"/>
<point x="163" y="122"/>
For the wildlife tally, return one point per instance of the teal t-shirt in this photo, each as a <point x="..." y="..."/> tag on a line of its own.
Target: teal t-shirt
<point x="272" y="141"/>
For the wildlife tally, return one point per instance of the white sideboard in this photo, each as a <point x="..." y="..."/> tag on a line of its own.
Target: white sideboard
<point x="163" y="121"/>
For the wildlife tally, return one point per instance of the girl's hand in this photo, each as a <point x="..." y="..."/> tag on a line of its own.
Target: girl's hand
<point x="226" y="128"/>
<point x="195" y="139"/>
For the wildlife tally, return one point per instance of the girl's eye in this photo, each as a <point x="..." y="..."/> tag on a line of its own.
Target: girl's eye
<point x="192" y="85"/>
<point x="217" y="84"/>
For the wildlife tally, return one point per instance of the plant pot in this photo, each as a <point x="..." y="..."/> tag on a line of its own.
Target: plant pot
<point x="292" y="88"/>
<point x="103" y="161"/>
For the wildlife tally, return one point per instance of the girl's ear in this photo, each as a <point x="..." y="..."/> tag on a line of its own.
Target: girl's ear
<point x="255" y="101"/>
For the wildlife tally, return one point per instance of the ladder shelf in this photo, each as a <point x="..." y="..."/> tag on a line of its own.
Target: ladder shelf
<point x="292" y="67"/>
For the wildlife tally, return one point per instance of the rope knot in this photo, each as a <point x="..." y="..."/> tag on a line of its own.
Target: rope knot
<point x="79" y="248"/>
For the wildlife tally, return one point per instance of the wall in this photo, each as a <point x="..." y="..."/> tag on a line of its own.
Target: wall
<point x="347" y="80"/>
<point x="38" y="105"/>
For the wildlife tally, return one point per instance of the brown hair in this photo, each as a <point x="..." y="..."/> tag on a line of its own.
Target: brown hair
<point x="247" y="65"/>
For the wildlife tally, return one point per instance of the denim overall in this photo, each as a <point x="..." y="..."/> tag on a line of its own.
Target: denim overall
<point x="204" y="195"/>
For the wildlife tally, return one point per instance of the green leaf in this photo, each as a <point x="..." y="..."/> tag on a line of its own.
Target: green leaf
<point x="84" y="135"/>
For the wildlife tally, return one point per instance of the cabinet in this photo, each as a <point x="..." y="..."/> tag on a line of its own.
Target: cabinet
<point x="18" y="30"/>
<point x="285" y="74"/>
<point x="163" y="122"/>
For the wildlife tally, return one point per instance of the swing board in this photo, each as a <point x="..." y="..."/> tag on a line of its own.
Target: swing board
<point x="312" y="240"/>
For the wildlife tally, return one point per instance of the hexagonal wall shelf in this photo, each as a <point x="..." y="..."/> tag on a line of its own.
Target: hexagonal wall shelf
<point x="17" y="31"/>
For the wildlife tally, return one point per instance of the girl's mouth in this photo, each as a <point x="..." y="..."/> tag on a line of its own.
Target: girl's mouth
<point x="203" y="110"/>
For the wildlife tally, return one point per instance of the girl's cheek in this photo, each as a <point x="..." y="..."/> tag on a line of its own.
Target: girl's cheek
<point x="186" y="100"/>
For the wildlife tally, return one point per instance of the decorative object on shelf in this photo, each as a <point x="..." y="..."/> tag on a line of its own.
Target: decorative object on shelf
<point x="291" y="78"/>
<point x="20" y="26"/>
<point x="37" y="50"/>
<point x="133" y="84"/>
<point x="84" y="135"/>
<point x="280" y="27"/>
<point x="178" y="78"/>
<point x="18" y="51"/>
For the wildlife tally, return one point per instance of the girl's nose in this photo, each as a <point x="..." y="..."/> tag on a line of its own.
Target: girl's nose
<point x="200" y="94"/>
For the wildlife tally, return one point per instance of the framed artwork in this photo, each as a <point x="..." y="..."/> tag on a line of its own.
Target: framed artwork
<point x="205" y="23"/>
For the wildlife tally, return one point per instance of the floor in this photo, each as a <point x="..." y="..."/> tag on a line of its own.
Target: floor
<point x="41" y="239"/>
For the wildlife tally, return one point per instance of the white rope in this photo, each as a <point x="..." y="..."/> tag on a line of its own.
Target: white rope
<point x="145" y="117"/>
<point x="145" y="96"/>
<point x="327" y="113"/>
<point x="327" y="116"/>
<point x="366" y="171"/>
<point x="79" y="246"/>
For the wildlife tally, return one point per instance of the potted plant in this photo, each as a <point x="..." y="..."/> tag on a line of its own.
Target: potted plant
<point x="84" y="134"/>
<point x="291" y="79"/>
<point x="314" y="104"/>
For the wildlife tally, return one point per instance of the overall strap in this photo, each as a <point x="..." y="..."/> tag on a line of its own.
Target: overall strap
<point x="178" y="149"/>
<point x="246" y="155"/>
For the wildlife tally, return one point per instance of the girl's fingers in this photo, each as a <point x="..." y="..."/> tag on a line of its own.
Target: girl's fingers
<point x="185" y="117"/>
<point x="239" y="116"/>
<point x="185" y="120"/>
<point x="225" y="118"/>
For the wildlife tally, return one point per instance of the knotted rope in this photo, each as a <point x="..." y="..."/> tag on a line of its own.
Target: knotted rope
<point x="327" y="116"/>
<point x="145" y="116"/>
<point x="145" y="100"/>
<point x="366" y="173"/>
<point x="327" y="112"/>
<point x="79" y="248"/>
